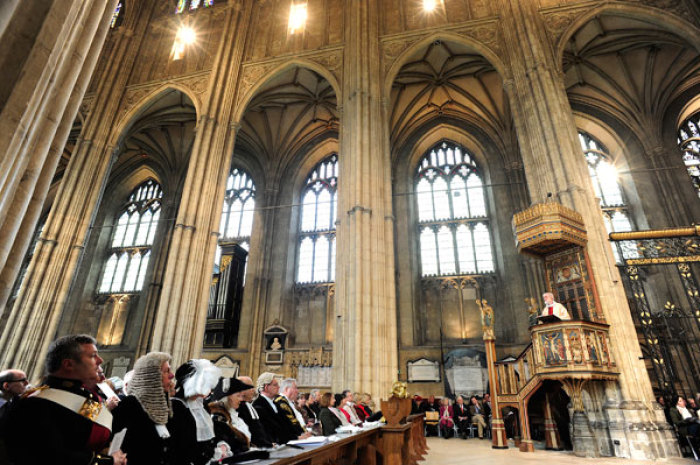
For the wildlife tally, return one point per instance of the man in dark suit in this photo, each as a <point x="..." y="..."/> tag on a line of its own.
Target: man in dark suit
<point x="683" y="420"/>
<point x="461" y="416"/>
<point x="68" y="422"/>
<point x="258" y="435"/>
<point x="270" y="415"/>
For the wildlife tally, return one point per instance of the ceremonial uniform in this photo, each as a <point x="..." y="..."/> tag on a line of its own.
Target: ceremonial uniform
<point x="46" y="427"/>
<point x="226" y="430"/>
<point x="292" y="418"/>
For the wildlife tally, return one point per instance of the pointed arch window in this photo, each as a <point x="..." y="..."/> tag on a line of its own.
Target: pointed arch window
<point x="130" y="247"/>
<point x="316" y="262"/>
<point x="453" y="224"/>
<point x="239" y="207"/>
<point x="689" y="143"/>
<point x="607" y="188"/>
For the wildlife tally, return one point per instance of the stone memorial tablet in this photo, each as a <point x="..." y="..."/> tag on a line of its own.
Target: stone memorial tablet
<point x="423" y="370"/>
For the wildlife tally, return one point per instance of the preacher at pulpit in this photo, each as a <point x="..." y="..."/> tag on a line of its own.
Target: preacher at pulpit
<point x="553" y="309"/>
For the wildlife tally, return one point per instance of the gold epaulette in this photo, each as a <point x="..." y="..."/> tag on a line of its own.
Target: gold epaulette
<point x="34" y="390"/>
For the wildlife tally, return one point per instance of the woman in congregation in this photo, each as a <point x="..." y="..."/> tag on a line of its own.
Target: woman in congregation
<point x="228" y="426"/>
<point x="446" y="422"/>
<point x="191" y="426"/>
<point x="145" y="412"/>
<point x="330" y="416"/>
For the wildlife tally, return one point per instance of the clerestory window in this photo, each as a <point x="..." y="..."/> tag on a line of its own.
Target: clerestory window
<point x="130" y="248"/>
<point x="316" y="262"/>
<point x="453" y="223"/>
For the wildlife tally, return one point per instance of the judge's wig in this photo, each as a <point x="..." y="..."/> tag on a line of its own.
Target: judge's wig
<point x="196" y="377"/>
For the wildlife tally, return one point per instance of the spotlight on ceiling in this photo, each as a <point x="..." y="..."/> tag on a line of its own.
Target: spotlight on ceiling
<point x="186" y="35"/>
<point x="430" y="5"/>
<point x="297" y="16"/>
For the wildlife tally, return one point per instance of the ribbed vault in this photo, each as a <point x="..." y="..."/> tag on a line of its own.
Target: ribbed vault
<point x="162" y="137"/>
<point x="290" y="111"/>
<point x="630" y="69"/>
<point x="448" y="81"/>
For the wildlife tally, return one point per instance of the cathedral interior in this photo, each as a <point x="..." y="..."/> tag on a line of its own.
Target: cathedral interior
<point x="354" y="192"/>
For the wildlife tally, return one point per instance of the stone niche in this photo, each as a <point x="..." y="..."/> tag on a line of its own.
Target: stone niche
<point x="466" y="372"/>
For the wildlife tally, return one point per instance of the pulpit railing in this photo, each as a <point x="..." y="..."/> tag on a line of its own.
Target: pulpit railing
<point x="559" y="351"/>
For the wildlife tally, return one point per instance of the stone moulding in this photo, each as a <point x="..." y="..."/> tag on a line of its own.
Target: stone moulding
<point x="548" y="227"/>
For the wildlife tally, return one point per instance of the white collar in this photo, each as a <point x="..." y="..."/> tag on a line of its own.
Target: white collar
<point x="269" y="401"/>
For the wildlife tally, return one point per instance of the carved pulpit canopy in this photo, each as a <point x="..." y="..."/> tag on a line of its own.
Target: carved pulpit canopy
<point x="546" y="228"/>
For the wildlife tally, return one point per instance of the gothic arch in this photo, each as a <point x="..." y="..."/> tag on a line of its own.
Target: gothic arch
<point x="132" y="115"/>
<point x="654" y="16"/>
<point x="248" y="94"/>
<point x="473" y="44"/>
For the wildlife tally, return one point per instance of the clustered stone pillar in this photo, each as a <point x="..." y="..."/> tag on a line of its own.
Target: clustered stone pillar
<point x="37" y="117"/>
<point x="554" y="164"/>
<point x="33" y="138"/>
<point x="180" y="319"/>
<point x="365" y="354"/>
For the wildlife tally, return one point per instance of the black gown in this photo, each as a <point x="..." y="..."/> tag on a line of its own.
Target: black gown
<point x="142" y="443"/>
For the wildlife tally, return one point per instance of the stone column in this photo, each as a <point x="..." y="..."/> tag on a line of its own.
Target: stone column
<point x="365" y="354"/>
<point x="36" y="122"/>
<point x="39" y="100"/>
<point x="34" y="319"/>
<point x="181" y="315"/>
<point x="554" y="164"/>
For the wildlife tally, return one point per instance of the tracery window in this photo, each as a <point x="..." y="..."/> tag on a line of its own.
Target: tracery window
<point x="132" y="240"/>
<point x="606" y="186"/>
<point x="191" y="5"/>
<point x="689" y="142"/>
<point x="455" y="237"/>
<point x="239" y="206"/>
<point x="316" y="263"/>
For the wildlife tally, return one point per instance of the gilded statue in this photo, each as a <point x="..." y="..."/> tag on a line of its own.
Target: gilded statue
<point x="399" y="389"/>
<point x="486" y="319"/>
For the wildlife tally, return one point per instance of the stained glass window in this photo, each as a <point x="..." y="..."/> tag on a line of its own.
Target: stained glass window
<point x="318" y="215"/>
<point x="607" y="188"/>
<point x="191" y="5"/>
<point x="132" y="239"/>
<point x="453" y="224"/>
<point x="689" y="142"/>
<point x="117" y="16"/>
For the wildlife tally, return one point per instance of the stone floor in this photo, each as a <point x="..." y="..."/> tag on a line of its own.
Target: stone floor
<point x="458" y="452"/>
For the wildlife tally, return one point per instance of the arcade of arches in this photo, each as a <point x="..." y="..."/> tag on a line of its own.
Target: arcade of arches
<point x="330" y="202"/>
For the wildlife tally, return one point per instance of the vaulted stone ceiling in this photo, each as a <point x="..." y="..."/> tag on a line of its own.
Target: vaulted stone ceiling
<point x="292" y="110"/>
<point x="162" y="137"/>
<point x="449" y="81"/>
<point x="629" y="69"/>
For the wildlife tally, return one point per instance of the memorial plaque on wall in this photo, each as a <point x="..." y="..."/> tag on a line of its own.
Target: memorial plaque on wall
<point x="423" y="370"/>
<point x="229" y="367"/>
<point x="466" y="372"/>
<point x="314" y="376"/>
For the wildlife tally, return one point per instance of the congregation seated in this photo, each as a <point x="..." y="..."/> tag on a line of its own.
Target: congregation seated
<point x="476" y="414"/>
<point x="686" y="424"/>
<point x="461" y="417"/>
<point x="258" y="436"/>
<point x="191" y="417"/>
<point x="330" y="417"/>
<point x="446" y="419"/>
